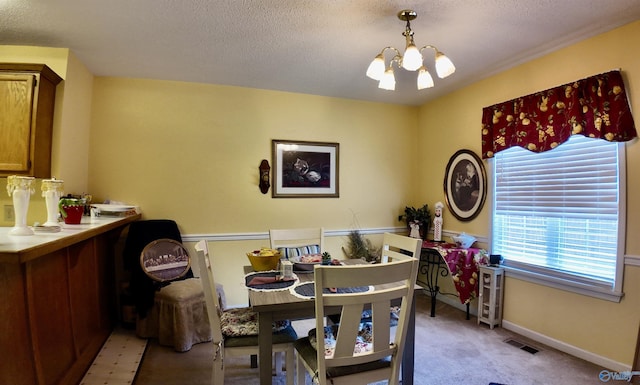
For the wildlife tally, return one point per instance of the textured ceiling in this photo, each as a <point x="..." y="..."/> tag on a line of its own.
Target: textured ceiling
<point x="319" y="47"/>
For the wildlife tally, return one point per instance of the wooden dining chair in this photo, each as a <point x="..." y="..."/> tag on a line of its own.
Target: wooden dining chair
<point x="235" y="331"/>
<point x="391" y="244"/>
<point x="356" y="352"/>
<point x="297" y="242"/>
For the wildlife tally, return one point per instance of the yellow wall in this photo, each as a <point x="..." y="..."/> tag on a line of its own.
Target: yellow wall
<point x="190" y="152"/>
<point x="453" y="122"/>
<point x="72" y="139"/>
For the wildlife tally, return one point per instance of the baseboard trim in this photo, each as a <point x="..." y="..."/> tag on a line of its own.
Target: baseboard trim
<point x="566" y="348"/>
<point x="543" y="339"/>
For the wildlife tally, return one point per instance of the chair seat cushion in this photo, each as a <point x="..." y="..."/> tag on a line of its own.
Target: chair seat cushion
<point x="180" y="291"/>
<point x="363" y="341"/>
<point x="307" y="352"/>
<point x="394" y="312"/>
<point x="240" y="322"/>
<point x="286" y="335"/>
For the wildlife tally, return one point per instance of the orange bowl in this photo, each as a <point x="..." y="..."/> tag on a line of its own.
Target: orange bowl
<point x="264" y="262"/>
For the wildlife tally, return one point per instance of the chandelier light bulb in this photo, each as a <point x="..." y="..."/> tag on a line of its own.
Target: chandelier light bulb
<point x="424" y="79"/>
<point x="412" y="59"/>
<point x="444" y="66"/>
<point x="388" y="81"/>
<point x="376" y="68"/>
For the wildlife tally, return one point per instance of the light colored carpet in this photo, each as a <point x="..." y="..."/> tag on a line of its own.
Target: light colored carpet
<point x="449" y="350"/>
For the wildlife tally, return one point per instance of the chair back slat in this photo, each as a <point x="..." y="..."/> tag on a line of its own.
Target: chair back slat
<point x="209" y="288"/>
<point x="381" y="324"/>
<point x="347" y="333"/>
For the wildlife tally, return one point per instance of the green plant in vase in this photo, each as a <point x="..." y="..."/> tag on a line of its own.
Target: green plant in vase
<point x="418" y="216"/>
<point x="71" y="209"/>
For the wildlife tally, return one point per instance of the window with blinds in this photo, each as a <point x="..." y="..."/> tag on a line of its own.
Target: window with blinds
<point x="559" y="214"/>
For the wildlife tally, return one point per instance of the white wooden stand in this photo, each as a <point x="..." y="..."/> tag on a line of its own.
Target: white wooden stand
<point x="490" y="295"/>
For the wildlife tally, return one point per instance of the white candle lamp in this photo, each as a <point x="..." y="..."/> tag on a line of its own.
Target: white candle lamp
<point x="52" y="190"/>
<point x="20" y="188"/>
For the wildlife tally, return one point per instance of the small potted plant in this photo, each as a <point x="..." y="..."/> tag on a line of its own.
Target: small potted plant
<point x="418" y="216"/>
<point x="71" y="209"/>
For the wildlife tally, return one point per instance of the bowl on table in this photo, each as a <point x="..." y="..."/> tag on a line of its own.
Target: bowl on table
<point x="306" y="262"/>
<point x="264" y="259"/>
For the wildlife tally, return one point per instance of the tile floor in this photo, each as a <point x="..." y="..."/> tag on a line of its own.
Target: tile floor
<point x="118" y="360"/>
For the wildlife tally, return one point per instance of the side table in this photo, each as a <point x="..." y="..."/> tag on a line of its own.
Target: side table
<point x="446" y="259"/>
<point x="491" y="294"/>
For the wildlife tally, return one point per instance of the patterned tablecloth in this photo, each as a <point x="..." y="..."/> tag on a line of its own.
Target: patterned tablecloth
<point x="463" y="265"/>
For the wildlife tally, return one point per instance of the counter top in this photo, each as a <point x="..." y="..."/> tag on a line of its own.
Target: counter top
<point x="22" y="248"/>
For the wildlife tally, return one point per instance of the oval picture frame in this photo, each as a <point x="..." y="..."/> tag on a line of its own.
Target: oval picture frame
<point x="165" y="260"/>
<point x="465" y="185"/>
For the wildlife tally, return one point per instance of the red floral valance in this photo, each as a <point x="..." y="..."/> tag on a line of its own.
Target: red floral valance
<point x="595" y="107"/>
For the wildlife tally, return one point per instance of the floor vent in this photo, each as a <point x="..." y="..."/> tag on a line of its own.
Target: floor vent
<point x="520" y="345"/>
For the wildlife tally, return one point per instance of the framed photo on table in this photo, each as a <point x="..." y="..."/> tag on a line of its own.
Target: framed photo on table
<point x="465" y="185"/>
<point x="305" y="169"/>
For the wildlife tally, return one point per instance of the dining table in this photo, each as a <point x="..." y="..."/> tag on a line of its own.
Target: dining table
<point x="281" y="303"/>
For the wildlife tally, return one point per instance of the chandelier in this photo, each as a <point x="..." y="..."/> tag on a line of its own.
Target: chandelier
<point x="411" y="60"/>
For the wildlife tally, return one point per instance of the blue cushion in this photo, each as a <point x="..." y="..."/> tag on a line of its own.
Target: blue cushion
<point x="292" y="252"/>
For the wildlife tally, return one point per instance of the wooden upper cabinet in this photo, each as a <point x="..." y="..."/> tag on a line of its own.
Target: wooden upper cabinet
<point x="27" y="99"/>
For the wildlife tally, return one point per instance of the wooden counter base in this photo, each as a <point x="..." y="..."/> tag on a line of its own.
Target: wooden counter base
<point x="58" y="302"/>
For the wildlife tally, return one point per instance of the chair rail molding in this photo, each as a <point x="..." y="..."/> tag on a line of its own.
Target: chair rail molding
<point x="265" y="234"/>
<point x="632" y="260"/>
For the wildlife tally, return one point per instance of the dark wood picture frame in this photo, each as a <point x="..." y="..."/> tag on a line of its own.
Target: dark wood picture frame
<point x="465" y="185"/>
<point x="304" y="169"/>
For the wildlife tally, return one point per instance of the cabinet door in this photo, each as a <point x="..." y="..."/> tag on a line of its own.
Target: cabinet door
<point x="16" y="114"/>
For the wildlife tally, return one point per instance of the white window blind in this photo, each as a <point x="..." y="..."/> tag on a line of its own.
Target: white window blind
<point x="556" y="213"/>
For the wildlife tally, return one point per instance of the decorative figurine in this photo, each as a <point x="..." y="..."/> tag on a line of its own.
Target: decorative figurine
<point x="52" y="189"/>
<point x="437" y="222"/>
<point x="415" y="229"/>
<point x="20" y="188"/>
